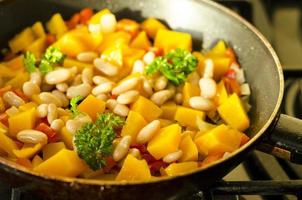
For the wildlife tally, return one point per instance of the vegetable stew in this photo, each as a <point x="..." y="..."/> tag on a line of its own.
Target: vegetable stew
<point x="101" y="98"/>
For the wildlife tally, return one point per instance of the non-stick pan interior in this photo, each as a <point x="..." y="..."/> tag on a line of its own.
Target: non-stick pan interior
<point x="206" y="24"/>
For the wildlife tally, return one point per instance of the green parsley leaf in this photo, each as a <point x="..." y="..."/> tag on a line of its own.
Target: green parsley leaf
<point x="74" y="103"/>
<point x="29" y="61"/>
<point x="45" y="66"/>
<point x="175" y="66"/>
<point x="93" y="141"/>
<point x="51" y="57"/>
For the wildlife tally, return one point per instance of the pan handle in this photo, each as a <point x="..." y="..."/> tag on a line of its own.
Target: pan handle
<point x="285" y="140"/>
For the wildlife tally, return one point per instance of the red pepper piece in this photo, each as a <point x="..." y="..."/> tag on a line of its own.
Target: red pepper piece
<point x="110" y="163"/>
<point x="244" y="139"/>
<point x="50" y="39"/>
<point x="21" y="94"/>
<point x="157" y="51"/>
<point x="232" y="86"/>
<point x="4" y="119"/>
<point x="230" y="74"/>
<point x="142" y="148"/>
<point x="85" y="15"/>
<point x="149" y="158"/>
<point x="19" y="144"/>
<point x="155" y="167"/>
<point x="231" y="54"/>
<point x="51" y="134"/>
<point x="73" y="21"/>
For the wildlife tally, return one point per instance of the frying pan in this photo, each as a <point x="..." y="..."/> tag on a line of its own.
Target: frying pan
<point x="207" y="22"/>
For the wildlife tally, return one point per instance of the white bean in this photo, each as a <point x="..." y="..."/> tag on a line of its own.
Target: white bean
<point x="172" y="157"/>
<point x="87" y="56"/>
<point x="87" y="74"/>
<point x="138" y="67"/>
<point x="12" y="99"/>
<point x="207" y="88"/>
<point x="160" y="97"/>
<point x="62" y="97"/>
<point x="146" y="133"/>
<point x="111" y="103"/>
<point x="99" y="80"/>
<point x="135" y="152"/>
<point x="73" y="71"/>
<point x="36" y="77"/>
<point x="108" y="23"/>
<point x="147" y="87"/>
<point x="57" y="124"/>
<point x="82" y="90"/>
<point x="47" y="98"/>
<point x="32" y="136"/>
<point x="127" y="97"/>
<point x="105" y="67"/>
<point x="103" y="97"/>
<point x="94" y="28"/>
<point x="125" y="86"/>
<point x="178" y="98"/>
<point x="149" y="57"/>
<point x="201" y="103"/>
<point x="63" y="112"/>
<point x="121" y="110"/>
<point x="56" y="76"/>
<point x="77" y="80"/>
<point x="160" y="83"/>
<point x="42" y="110"/>
<point x="103" y="88"/>
<point x="122" y="148"/>
<point x="52" y="113"/>
<point x="73" y="125"/>
<point x="208" y="68"/>
<point x="62" y="87"/>
<point x="30" y="88"/>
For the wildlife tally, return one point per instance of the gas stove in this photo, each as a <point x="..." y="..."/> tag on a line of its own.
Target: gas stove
<point x="261" y="176"/>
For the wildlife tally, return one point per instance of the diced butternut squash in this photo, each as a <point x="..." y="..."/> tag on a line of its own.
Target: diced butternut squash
<point x="16" y="63"/>
<point x="38" y="30"/>
<point x="169" y="110"/>
<point x="175" y="169"/>
<point x="21" y="121"/>
<point x="51" y="149"/>
<point x="37" y="47"/>
<point x="28" y="150"/>
<point x="219" y="49"/>
<point x="113" y="55"/>
<point x="113" y="39"/>
<point x="149" y="110"/>
<point x="151" y="26"/>
<point x="56" y="25"/>
<point x="221" y="66"/>
<point x="25" y="162"/>
<point x="2" y="106"/>
<point x="134" y="170"/>
<point x="187" y="116"/>
<point x="233" y="113"/>
<point x="28" y="106"/>
<point x="219" y="140"/>
<point x="165" y="141"/>
<point x="92" y="106"/>
<point x="36" y="99"/>
<point x="69" y="62"/>
<point x="222" y="94"/>
<point x="37" y="160"/>
<point x="141" y="41"/>
<point x="66" y="137"/>
<point x="134" y="123"/>
<point x="18" y="81"/>
<point x="200" y="65"/>
<point x="128" y="25"/>
<point x="189" y="149"/>
<point x="210" y="159"/>
<point x="6" y="72"/>
<point x="168" y="40"/>
<point x="64" y="163"/>
<point x="95" y="19"/>
<point x="166" y="122"/>
<point x="2" y="126"/>
<point x="189" y="90"/>
<point x="7" y="144"/>
<point x="22" y="40"/>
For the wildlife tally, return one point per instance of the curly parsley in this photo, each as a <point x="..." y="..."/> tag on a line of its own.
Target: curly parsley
<point x="175" y="66"/>
<point x="73" y="105"/>
<point x="29" y="61"/>
<point x="51" y="57"/>
<point x="93" y="141"/>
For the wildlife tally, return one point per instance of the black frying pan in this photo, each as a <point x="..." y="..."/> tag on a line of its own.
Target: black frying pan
<point x="207" y="22"/>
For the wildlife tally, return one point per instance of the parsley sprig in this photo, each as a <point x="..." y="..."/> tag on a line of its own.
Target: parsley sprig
<point x="51" y="57"/>
<point x="93" y="141"/>
<point x="175" y="66"/>
<point x="74" y="104"/>
<point x="29" y="61"/>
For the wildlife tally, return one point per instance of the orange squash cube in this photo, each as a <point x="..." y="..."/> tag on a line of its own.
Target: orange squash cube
<point x="189" y="149"/>
<point x="188" y="117"/>
<point x="66" y="137"/>
<point x="92" y="106"/>
<point x="165" y="141"/>
<point x="28" y="150"/>
<point x="7" y="144"/>
<point x="189" y="90"/>
<point x="175" y="169"/>
<point x="151" y="26"/>
<point x="149" y="110"/>
<point x="21" y="121"/>
<point x="169" y="110"/>
<point x="141" y="41"/>
<point x="51" y="149"/>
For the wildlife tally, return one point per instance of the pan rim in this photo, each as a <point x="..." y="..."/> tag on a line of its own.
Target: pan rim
<point x="8" y="165"/>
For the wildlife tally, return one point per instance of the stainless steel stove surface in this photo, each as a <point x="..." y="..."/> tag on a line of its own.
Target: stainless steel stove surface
<point x="261" y="176"/>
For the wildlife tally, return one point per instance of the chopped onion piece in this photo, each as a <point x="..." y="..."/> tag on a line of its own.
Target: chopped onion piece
<point x="245" y="89"/>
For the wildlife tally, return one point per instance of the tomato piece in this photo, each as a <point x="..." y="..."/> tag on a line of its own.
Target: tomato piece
<point x="155" y="167"/>
<point x="51" y="134"/>
<point x="142" y="148"/>
<point x="74" y="21"/>
<point x="157" y="51"/>
<point x="21" y="94"/>
<point x="244" y="139"/>
<point x="5" y="89"/>
<point x="4" y="119"/>
<point x="230" y="74"/>
<point x="85" y="15"/>
<point x="149" y="158"/>
<point x="50" y="39"/>
<point x="110" y="163"/>
<point x="232" y="86"/>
